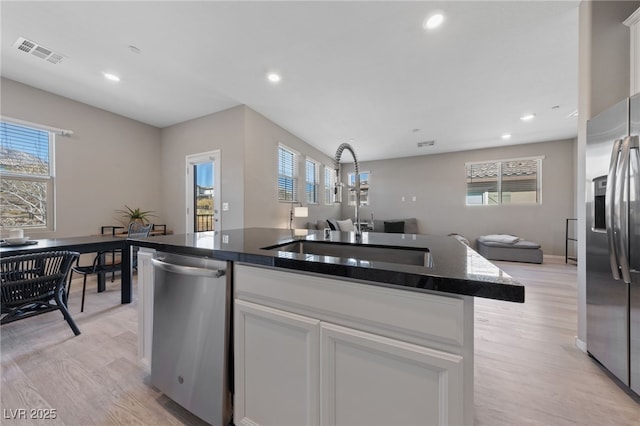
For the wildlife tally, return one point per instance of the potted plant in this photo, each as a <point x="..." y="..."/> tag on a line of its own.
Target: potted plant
<point x="136" y="215"/>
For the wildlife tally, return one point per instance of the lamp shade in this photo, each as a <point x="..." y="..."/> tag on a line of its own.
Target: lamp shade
<point x="301" y="212"/>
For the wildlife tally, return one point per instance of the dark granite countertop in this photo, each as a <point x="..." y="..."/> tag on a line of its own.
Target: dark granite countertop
<point x="455" y="268"/>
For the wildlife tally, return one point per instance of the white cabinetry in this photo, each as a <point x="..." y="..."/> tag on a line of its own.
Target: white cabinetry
<point x="278" y="354"/>
<point x="369" y="379"/>
<point x="633" y="22"/>
<point x="314" y="350"/>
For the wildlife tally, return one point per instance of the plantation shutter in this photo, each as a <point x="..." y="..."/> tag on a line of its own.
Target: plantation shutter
<point x="311" y="176"/>
<point x="287" y="174"/>
<point x="26" y="187"/>
<point x="24" y="150"/>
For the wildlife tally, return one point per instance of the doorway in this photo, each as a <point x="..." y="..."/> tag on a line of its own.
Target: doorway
<point x="203" y="192"/>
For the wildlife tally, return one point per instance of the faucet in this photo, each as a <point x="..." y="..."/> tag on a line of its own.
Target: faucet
<point x="338" y="187"/>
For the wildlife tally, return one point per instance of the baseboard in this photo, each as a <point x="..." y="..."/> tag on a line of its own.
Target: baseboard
<point x="581" y="345"/>
<point x="553" y="256"/>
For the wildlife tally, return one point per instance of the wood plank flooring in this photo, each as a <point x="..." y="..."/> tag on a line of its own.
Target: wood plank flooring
<point x="527" y="371"/>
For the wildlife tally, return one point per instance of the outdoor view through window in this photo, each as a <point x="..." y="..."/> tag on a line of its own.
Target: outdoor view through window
<point x="26" y="184"/>
<point x="204" y="185"/>
<point x="504" y="182"/>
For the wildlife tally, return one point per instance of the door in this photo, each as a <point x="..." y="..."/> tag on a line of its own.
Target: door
<point x="368" y="379"/>
<point x="203" y="192"/>
<point x="634" y="245"/>
<point x="276" y="366"/>
<point x="607" y="298"/>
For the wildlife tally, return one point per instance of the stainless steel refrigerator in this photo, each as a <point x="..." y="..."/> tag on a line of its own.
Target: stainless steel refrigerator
<point x="613" y="240"/>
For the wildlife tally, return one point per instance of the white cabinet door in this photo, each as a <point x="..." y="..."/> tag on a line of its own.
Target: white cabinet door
<point x="372" y="380"/>
<point x="276" y="367"/>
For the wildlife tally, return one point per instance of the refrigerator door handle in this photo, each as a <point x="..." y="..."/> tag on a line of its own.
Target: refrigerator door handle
<point x="610" y="209"/>
<point x="622" y="209"/>
<point x="634" y="199"/>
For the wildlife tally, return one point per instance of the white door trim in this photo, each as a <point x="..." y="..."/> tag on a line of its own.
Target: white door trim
<point x="191" y="160"/>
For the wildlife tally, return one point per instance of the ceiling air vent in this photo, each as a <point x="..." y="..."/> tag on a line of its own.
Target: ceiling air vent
<point x="426" y="143"/>
<point x="38" y="50"/>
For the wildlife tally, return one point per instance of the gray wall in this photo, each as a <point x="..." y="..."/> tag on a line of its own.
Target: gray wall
<point x="108" y="162"/>
<point x="111" y="161"/>
<point x="222" y="131"/>
<point x="248" y="145"/>
<point x="261" y="164"/>
<point x="438" y="183"/>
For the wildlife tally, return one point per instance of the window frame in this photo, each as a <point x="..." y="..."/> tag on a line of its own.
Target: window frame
<point x="364" y="190"/>
<point x="294" y="175"/>
<point x="329" y="183"/>
<point x="499" y="191"/>
<point x="49" y="179"/>
<point x="312" y="197"/>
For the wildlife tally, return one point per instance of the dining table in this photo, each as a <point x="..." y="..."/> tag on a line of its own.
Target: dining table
<point x="82" y="244"/>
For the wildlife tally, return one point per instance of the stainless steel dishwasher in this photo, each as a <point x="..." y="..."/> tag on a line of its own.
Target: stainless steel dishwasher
<point x="191" y="360"/>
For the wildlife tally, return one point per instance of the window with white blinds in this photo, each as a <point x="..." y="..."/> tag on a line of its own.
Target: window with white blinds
<point x="287" y="174"/>
<point x="27" y="184"/>
<point x="329" y="174"/>
<point x="516" y="181"/>
<point x="364" y="188"/>
<point x="312" y="180"/>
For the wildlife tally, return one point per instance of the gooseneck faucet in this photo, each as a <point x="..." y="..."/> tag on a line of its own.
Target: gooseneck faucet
<point x="338" y="187"/>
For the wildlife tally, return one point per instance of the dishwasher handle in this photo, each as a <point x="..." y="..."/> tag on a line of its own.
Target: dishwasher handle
<point x="187" y="270"/>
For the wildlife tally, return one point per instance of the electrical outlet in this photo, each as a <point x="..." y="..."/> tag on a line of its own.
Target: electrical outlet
<point x="225" y="239"/>
<point x="225" y="207"/>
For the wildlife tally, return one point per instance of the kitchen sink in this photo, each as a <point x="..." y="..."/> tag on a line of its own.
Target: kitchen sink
<point x="390" y="254"/>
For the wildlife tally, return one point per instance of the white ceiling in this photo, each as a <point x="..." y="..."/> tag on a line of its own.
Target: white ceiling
<point x="365" y="72"/>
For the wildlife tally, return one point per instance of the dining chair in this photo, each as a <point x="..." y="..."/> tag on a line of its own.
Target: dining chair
<point x="101" y="266"/>
<point x="134" y="230"/>
<point x="33" y="284"/>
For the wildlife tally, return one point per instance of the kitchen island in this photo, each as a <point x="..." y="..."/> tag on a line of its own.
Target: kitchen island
<point x="383" y="336"/>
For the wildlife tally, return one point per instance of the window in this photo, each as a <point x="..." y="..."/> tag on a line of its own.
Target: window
<point x="364" y="188"/>
<point x="27" y="184"/>
<point x="287" y="174"/>
<point x="514" y="181"/>
<point x="329" y="183"/>
<point x="311" y="176"/>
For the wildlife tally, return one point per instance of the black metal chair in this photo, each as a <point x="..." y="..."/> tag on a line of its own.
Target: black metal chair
<point x="102" y="265"/>
<point x="33" y="284"/>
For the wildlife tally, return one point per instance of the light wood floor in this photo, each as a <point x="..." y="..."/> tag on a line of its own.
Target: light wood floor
<point x="527" y="371"/>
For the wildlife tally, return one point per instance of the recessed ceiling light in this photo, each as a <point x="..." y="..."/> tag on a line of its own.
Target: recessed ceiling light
<point x="274" y="77"/>
<point x="506" y="136"/>
<point x="433" y="21"/>
<point x="111" y="77"/>
<point x="527" y="117"/>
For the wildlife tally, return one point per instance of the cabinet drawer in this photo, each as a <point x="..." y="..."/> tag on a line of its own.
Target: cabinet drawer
<point x="409" y="315"/>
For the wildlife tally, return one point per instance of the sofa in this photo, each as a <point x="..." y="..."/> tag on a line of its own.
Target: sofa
<point x="400" y="226"/>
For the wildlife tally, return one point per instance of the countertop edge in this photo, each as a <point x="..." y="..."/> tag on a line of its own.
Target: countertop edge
<point x="386" y="278"/>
